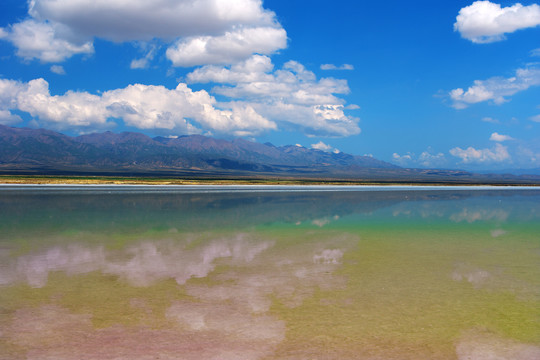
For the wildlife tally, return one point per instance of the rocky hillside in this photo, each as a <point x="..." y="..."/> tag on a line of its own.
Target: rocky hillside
<point x="24" y="148"/>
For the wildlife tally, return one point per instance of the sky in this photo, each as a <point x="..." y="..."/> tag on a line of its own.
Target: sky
<point x="420" y="83"/>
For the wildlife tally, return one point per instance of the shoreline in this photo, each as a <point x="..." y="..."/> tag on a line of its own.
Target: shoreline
<point x="157" y="181"/>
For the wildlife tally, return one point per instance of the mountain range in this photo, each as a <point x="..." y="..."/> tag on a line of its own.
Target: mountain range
<point x="41" y="151"/>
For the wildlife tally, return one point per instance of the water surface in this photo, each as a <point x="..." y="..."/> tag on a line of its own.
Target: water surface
<point x="254" y="272"/>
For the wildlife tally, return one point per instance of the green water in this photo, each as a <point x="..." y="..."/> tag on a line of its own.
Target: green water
<point x="253" y="273"/>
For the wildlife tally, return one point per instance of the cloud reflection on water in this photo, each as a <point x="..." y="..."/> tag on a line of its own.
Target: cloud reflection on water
<point x="52" y="332"/>
<point x="235" y="258"/>
<point x="481" y="345"/>
<point x="480" y="214"/>
<point x="147" y="262"/>
<point x="227" y="317"/>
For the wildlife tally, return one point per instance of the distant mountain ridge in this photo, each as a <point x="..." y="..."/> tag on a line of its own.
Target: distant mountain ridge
<point x="46" y="152"/>
<point x="32" y="148"/>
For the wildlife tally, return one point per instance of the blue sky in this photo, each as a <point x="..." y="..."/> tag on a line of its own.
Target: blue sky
<point x="446" y="84"/>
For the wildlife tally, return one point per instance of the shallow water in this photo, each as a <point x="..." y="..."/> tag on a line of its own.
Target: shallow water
<point x="135" y="272"/>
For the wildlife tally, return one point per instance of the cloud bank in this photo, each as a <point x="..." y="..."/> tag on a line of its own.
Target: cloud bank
<point x="486" y="22"/>
<point x="198" y="31"/>
<point x="291" y="96"/>
<point x="472" y="155"/>
<point x="230" y="39"/>
<point x="228" y="48"/>
<point x="495" y="89"/>
<point x="44" y="41"/>
<point x="180" y="110"/>
<point x="260" y="99"/>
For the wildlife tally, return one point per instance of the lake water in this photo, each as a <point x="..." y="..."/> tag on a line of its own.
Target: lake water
<point x="254" y="272"/>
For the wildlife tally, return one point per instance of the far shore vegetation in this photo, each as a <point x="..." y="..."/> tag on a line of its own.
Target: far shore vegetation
<point x="139" y="180"/>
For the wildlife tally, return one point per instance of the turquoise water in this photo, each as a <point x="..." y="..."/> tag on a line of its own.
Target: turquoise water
<point x="255" y="272"/>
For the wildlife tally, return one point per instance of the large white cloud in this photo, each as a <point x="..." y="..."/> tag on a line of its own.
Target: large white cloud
<point x="43" y="41"/>
<point x="292" y="84"/>
<point x="202" y="30"/>
<point x="291" y="96"/>
<point x="180" y="110"/>
<point x="147" y="107"/>
<point x="472" y="155"/>
<point x="254" y="69"/>
<point x="231" y="47"/>
<point x="121" y="20"/>
<point x="310" y="106"/>
<point x="496" y="89"/>
<point x="485" y="22"/>
<point x="73" y="109"/>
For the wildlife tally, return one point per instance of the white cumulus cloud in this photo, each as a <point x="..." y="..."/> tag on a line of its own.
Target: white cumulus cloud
<point x="291" y="96"/>
<point x="121" y="20"/>
<point x="485" y="22"/>
<point x="402" y="160"/>
<point x="45" y="41"/>
<point x="472" y="155"/>
<point x="231" y="47"/>
<point x="199" y="31"/>
<point x="73" y="109"/>
<point x="181" y="110"/>
<point x="254" y="69"/>
<point x="495" y="89"/>
<point x="500" y="138"/>
<point x="324" y="147"/>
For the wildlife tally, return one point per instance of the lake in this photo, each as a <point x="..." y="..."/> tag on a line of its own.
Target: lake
<point x="269" y="272"/>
